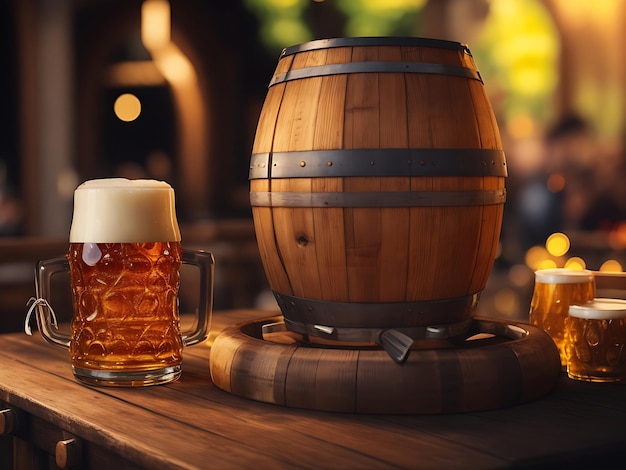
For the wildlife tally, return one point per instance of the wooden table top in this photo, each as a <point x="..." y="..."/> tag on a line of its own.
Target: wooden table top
<point x="193" y="424"/>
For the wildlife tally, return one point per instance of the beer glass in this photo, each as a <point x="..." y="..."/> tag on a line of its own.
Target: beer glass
<point x="595" y="340"/>
<point x="555" y="290"/>
<point x="124" y="260"/>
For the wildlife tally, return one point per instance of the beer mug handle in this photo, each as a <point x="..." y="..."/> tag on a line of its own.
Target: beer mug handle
<point x="205" y="262"/>
<point x="47" y="323"/>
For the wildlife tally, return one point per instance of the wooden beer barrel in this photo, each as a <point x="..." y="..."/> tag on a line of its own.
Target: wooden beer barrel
<point x="377" y="185"/>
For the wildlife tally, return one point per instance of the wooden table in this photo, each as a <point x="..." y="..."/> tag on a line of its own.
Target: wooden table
<point x="193" y="424"/>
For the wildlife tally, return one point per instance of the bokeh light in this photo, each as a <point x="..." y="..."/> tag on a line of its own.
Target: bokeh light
<point x="617" y="237"/>
<point x="127" y="107"/>
<point x="555" y="182"/>
<point x="520" y="275"/>
<point x="557" y="244"/>
<point x="535" y="256"/>
<point x="611" y="266"/>
<point x="575" y="263"/>
<point x="506" y="302"/>
<point x="518" y="50"/>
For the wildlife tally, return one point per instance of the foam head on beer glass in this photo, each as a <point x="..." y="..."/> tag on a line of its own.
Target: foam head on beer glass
<point x="555" y="290"/>
<point x="596" y="336"/>
<point x="124" y="260"/>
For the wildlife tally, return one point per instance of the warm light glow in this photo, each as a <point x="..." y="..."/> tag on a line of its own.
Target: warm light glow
<point x="575" y="263"/>
<point x="155" y="24"/>
<point x="555" y="182"/>
<point x="557" y="244"/>
<point x="155" y="35"/>
<point x="136" y="73"/>
<point x="174" y="65"/>
<point x="280" y="3"/>
<point x="617" y="237"/>
<point x="376" y="17"/>
<point x="286" y="30"/>
<point x="520" y="126"/>
<point x="520" y="275"/>
<point x="381" y="5"/>
<point x="611" y="266"/>
<point x="518" y="50"/>
<point x="584" y="11"/>
<point x="547" y="264"/>
<point x="535" y="256"/>
<point x="506" y="302"/>
<point x="127" y="107"/>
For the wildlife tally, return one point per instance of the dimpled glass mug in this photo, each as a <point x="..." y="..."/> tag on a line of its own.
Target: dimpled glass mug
<point x="555" y="290"/>
<point x="124" y="261"/>
<point x="596" y="337"/>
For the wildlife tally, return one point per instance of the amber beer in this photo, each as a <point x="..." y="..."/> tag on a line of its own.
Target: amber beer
<point x="125" y="304"/>
<point x="124" y="261"/>
<point x="596" y="338"/>
<point x="555" y="290"/>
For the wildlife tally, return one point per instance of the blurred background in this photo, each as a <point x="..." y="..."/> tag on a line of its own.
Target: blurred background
<point x="173" y="90"/>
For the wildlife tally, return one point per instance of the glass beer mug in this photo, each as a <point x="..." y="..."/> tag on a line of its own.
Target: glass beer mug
<point x="124" y="261"/>
<point x="596" y="338"/>
<point x="555" y="290"/>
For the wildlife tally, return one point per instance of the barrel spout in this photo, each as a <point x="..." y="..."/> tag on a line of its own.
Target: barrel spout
<point x="396" y="344"/>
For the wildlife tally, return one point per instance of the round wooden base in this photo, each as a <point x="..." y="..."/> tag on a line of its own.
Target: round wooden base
<point x="501" y="364"/>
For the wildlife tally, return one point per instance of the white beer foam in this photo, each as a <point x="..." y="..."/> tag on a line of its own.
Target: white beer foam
<point x="600" y="309"/>
<point x="563" y="276"/>
<point x="118" y="210"/>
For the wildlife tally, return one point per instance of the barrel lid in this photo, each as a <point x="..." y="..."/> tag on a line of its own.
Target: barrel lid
<point x="375" y="41"/>
<point x="563" y="276"/>
<point x="600" y="309"/>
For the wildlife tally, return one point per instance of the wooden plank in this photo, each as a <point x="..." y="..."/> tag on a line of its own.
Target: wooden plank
<point x="540" y="432"/>
<point x="304" y="116"/>
<point x="100" y="418"/>
<point x="245" y="431"/>
<point x="395" y="222"/>
<point x="395" y="229"/>
<point x="31" y="249"/>
<point x="491" y="223"/>
<point x="417" y="104"/>
<point x="459" y="235"/>
<point x="331" y="108"/>
<point x="423" y="247"/>
<point x="392" y="103"/>
<point x="328" y="222"/>
<point x="463" y="117"/>
<point x="330" y="242"/>
<point x="269" y="250"/>
<point x="489" y="131"/>
<point x="295" y="237"/>
<point x="191" y="422"/>
<point x="363" y="227"/>
<point x="362" y="105"/>
<point x="295" y="127"/>
<point x="266" y="125"/>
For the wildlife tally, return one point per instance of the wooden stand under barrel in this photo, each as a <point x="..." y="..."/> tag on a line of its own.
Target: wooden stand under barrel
<point x="377" y="192"/>
<point x="509" y="363"/>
